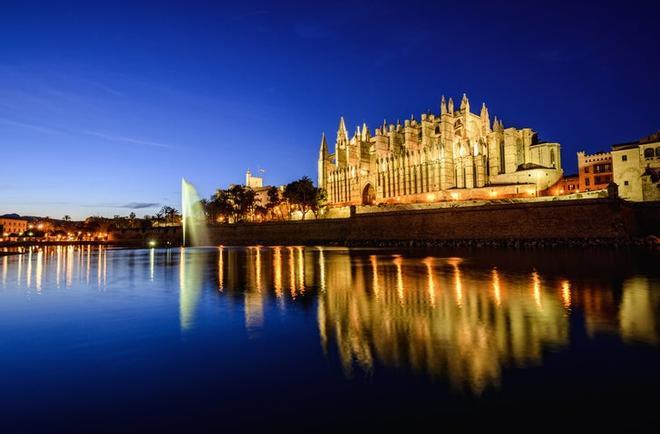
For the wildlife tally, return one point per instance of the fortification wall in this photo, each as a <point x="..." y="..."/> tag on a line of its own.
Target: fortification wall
<point x="594" y="219"/>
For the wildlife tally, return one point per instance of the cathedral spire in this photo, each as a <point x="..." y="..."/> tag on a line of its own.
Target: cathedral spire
<point x="443" y="105"/>
<point x="465" y="103"/>
<point x="450" y="106"/>
<point x="342" y="133"/>
<point x="485" y="119"/>
<point x="365" y="132"/>
<point x="323" y="151"/>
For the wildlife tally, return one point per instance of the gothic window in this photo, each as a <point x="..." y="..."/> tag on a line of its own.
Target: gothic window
<point x="552" y="158"/>
<point x="657" y="151"/>
<point x="624" y="158"/>
<point x="502" y="166"/>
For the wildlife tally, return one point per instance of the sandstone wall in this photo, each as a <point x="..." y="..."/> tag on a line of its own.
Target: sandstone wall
<point x="560" y="220"/>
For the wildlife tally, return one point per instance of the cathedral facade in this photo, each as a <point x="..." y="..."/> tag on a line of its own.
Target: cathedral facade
<point x="455" y="155"/>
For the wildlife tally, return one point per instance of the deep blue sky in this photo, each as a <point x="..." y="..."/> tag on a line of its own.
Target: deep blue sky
<point x="105" y="105"/>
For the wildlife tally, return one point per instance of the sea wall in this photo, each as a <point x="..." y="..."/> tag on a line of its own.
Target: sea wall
<point x="567" y="222"/>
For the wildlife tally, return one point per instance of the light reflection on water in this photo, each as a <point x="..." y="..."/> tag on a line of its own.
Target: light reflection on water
<point x="459" y="319"/>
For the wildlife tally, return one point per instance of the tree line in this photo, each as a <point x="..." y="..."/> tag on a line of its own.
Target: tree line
<point x="239" y="203"/>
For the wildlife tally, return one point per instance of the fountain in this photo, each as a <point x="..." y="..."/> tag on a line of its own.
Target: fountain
<point x="195" y="231"/>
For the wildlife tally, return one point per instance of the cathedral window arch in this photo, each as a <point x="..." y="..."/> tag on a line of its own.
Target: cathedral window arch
<point x="657" y="151"/>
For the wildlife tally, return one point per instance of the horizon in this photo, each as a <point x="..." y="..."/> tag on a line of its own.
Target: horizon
<point x="104" y="108"/>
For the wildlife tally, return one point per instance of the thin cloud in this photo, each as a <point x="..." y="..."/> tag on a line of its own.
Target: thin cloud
<point x="35" y="127"/>
<point x="130" y="205"/>
<point x="140" y="205"/>
<point x="131" y="140"/>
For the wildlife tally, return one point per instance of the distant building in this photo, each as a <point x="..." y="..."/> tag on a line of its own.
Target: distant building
<point x="569" y="184"/>
<point x="253" y="182"/>
<point x="637" y="168"/>
<point x="256" y="183"/>
<point x="594" y="170"/>
<point x="12" y="226"/>
<point x="453" y="155"/>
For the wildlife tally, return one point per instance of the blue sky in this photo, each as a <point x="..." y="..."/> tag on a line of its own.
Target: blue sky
<point x="104" y="106"/>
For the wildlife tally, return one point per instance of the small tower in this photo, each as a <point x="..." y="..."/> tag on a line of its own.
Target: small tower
<point x="485" y="119"/>
<point x="323" y="162"/>
<point x="341" y="144"/>
<point x="465" y="104"/>
<point x="443" y="106"/>
<point x="365" y="133"/>
<point x="450" y="106"/>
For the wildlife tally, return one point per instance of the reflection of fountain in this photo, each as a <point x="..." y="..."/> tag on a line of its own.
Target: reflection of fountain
<point x="195" y="232"/>
<point x="191" y="274"/>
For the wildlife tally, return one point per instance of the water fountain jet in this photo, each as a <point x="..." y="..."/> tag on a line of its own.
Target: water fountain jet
<point x="193" y="219"/>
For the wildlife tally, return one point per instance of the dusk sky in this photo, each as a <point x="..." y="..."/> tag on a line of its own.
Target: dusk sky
<point x="104" y="106"/>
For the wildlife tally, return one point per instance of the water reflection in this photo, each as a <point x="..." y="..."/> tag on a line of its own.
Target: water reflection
<point x="191" y="275"/>
<point x="456" y="319"/>
<point x="39" y="267"/>
<point x="437" y="316"/>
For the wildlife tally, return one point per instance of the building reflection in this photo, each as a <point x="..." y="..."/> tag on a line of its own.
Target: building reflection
<point x="427" y="316"/>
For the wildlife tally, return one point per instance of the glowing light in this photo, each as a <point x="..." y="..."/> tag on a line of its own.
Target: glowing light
<point x="399" y="278"/>
<point x="566" y="293"/>
<point x="374" y="271"/>
<point x="536" y="289"/>
<point x="221" y="268"/>
<point x="277" y="271"/>
<point x="455" y="196"/>
<point x="292" y="272"/>
<point x="430" y="197"/>
<point x="496" y="288"/>
<point x="493" y="193"/>
<point x="458" y="287"/>
<point x="152" y="243"/>
<point x="431" y="284"/>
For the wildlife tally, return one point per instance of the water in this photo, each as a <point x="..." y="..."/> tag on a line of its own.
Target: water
<point x="193" y="219"/>
<point x="308" y="339"/>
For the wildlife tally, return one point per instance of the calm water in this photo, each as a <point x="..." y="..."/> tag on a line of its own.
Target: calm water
<point x="310" y="339"/>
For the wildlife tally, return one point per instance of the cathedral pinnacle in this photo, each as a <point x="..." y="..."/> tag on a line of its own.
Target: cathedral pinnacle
<point x="324" y="146"/>
<point x="485" y="119"/>
<point x="443" y="106"/>
<point x="450" y="106"/>
<point x="342" y="133"/>
<point x="465" y="103"/>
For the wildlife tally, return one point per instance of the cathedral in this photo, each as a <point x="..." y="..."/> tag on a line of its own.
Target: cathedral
<point x="455" y="155"/>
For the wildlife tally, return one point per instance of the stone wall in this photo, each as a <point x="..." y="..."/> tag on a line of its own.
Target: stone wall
<point x="561" y="221"/>
<point x="593" y="219"/>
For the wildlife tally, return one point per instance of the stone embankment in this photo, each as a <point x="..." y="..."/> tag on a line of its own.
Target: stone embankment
<point x="574" y="223"/>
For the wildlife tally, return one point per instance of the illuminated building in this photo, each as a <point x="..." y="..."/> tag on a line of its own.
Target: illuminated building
<point x="456" y="154"/>
<point x="569" y="184"/>
<point x="637" y="168"/>
<point x="12" y="226"/>
<point x="594" y="170"/>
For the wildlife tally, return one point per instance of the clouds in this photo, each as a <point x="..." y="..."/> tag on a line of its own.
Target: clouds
<point x="131" y="140"/>
<point x="140" y="205"/>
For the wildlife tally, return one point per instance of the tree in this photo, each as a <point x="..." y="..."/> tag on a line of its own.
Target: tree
<point x="274" y="201"/>
<point x="320" y="201"/>
<point x="169" y="214"/>
<point x="303" y="194"/>
<point x="67" y="218"/>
